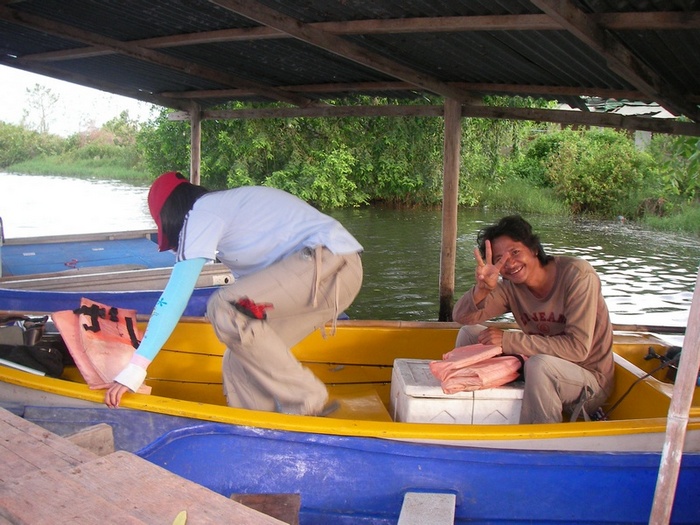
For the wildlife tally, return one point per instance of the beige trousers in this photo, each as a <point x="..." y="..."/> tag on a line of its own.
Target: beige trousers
<point x="307" y="289"/>
<point x="553" y="386"/>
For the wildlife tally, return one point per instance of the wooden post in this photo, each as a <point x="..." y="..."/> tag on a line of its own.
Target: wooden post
<point x="683" y="389"/>
<point x="450" y="190"/>
<point x="195" y="143"/>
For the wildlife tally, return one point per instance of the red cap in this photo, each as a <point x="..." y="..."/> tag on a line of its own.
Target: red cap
<point x="160" y="190"/>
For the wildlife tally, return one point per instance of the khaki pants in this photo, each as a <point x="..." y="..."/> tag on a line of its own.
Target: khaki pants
<point x="307" y="289"/>
<point x="552" y="385"/>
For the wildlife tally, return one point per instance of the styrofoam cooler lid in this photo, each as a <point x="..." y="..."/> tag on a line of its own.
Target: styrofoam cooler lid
<point x="419" y="381"/>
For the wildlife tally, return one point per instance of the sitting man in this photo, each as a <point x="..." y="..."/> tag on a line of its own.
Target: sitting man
<point x="558" y="304"/>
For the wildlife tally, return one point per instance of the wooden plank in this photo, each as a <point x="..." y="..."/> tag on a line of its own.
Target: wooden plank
<point x="52" y="496"/>
<point x="154" y="495"/>
<point x="96" y="438"/>
<point x="47" y="479"/>
<point x="26" y="447"/>
<point x="420" y="508"/>
<point x="450" y="196"/>
<point x="284" y="507"/>
<point x="677" y="422"/>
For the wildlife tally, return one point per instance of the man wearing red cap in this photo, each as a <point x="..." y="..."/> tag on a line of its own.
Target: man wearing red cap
<point x="295" y="270"/>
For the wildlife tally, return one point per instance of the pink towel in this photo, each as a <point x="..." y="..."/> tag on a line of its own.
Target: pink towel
<point x="475" y="367"/>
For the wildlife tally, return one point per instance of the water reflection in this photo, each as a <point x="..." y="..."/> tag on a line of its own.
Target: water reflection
<point x="647" y="277"/>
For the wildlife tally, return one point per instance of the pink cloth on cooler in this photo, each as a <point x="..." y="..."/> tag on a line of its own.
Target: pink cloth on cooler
<point x="475" y="367"/>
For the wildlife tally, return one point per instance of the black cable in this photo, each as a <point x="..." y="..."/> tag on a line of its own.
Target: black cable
<point x="673" y="361"/>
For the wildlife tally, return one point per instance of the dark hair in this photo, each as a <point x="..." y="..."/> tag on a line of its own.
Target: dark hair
<point x="176" y="207"/>
<point x="518" y="229"/>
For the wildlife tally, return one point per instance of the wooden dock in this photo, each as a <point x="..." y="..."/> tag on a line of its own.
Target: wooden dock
<point x="45" y="478"/>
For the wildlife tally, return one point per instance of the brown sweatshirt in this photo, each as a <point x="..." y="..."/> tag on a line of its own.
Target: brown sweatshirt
<point x="572" y="322"/>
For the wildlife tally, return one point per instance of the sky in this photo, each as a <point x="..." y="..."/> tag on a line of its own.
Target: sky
<point x="78" y="108"/>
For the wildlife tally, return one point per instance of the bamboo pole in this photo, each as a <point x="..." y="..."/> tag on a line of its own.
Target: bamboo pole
<point x="683" y="389"/>
<point x="450" y="190"/>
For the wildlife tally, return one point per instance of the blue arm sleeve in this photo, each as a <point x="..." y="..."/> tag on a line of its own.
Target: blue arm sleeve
<point x="170" y="306"/>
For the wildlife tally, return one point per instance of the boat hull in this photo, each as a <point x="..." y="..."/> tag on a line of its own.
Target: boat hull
<point x="363" y="480"/>
<point x="356" y="465"/>
<point x="121" y="269"/>
<point x="143" y="301"/>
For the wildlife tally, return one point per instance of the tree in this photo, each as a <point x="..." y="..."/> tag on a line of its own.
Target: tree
<point x="124" y="129"/>
<point x="40" y="101"/>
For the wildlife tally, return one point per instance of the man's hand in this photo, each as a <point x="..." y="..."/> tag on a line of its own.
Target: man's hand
<point x="491" y="336"/>
<point x="487" y="273"/>
<point x="114" y="393"/>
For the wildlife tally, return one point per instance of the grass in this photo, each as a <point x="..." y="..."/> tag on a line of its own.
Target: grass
<point x="83" y="169"/>
<point x="686" y="220"/>
<point x="523" y="197"/>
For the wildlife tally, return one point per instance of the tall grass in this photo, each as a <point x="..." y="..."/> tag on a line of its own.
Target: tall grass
<point x="81" y="169"/>
<point x="686" y="219"/>
<point x="521" y="196"/>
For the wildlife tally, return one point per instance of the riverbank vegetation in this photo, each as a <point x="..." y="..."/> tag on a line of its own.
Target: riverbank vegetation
<point x="524" y="167"/>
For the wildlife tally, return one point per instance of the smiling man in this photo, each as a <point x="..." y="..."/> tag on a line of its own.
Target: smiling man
<point x="557" y="302"/>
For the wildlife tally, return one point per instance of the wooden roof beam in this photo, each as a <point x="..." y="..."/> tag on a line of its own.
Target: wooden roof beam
<point x="617" y="21"/>
<point x="559" y="116"/>
<point x="343" y="48"/>
<point x="480" y="87"/>
<point x="146" y="55"/>
<point x="618" y="57"/>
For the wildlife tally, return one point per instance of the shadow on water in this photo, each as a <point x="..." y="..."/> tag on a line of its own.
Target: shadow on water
<point x="647" y="276"/>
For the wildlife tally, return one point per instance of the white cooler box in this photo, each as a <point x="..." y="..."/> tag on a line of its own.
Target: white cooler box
<point x="417" y="397"/>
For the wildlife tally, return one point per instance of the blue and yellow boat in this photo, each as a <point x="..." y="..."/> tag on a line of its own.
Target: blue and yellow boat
<point x="123" y="269"/>
<point x="356" y="465"/>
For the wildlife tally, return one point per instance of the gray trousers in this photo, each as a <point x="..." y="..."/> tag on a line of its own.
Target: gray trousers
<point x="552" y="385"/>
<point x="307" y="289"/>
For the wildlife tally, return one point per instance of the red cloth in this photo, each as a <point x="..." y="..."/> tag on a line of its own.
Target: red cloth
<point x="475" y="367"/>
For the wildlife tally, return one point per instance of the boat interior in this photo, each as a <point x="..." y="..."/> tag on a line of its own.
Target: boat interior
<point x="111" y="261"/>
<point x="357" y="364"/>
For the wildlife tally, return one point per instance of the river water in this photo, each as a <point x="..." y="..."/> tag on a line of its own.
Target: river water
<point x="648" y="277"/>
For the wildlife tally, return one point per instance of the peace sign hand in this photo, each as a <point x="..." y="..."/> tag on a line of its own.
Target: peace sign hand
<point x="486" y="272"/>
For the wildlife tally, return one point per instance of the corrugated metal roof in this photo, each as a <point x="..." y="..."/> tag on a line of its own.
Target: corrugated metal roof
<point x="171" y="52"/>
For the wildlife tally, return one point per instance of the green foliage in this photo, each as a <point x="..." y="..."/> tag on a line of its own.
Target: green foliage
<point x="533" y="164"/>
<point x="323" y="179"/>
<point x="679" y="158"/>
<point x="18" y="144"/>
<point x="490" y="150"/>
<point x="517" y="166"/>
<point x="164" y="145"/>
<point x="123" y="129"/>
<point x="332" y="162"/>
<point x="591" y="171"/>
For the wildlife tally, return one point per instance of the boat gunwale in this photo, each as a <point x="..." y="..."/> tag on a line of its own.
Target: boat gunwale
<point x="82" y="237"/>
